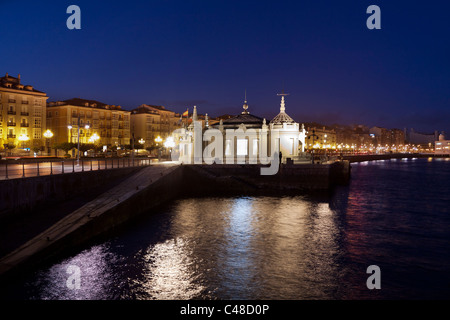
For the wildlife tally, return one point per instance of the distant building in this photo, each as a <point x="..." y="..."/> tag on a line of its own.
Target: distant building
<point x="22" y="114"/>
<point x="387" y="137"/>
<point x="320" y="137"/>
<point x="95" y="119"/>
<point x="442" y="146"/>
<point x="157" y="122"/>
<point x="145" y="124"/>
<point x="414" y="137"/>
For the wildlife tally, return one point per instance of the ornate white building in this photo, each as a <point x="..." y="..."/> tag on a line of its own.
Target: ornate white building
<point x="244" y="138"/>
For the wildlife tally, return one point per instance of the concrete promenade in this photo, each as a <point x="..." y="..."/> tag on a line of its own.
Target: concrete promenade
<point x="25" y="168"/>
<point x="84" y="223"/>
<point x="373" y="157"/>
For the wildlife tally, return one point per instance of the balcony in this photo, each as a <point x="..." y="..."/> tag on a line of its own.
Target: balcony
<point x="25" y="114"/>
<point x="24" y="102"/>
<point x="12" y="100"/>
<point x="11" y="124"/>
<point x="24" y="124"/>
<point x="11" y="136"/>
<point x="11" y="112"/>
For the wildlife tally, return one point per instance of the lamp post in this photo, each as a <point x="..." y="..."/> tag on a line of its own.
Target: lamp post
<point x="48" y="135"/>
<point x="158" y="141"/>
<point x="93" y="139"/>
<point x="169" y="143"/>
<point x="141" y="141"/>
<point x="313" y="136"/>
<point x="69" y="127"/>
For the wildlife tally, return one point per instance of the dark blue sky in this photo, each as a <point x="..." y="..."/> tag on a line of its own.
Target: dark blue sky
<point x="180" y="53"/>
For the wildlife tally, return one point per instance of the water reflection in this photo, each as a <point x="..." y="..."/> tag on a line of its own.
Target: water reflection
<point x="169" y="272"/>
<point x="97" y="278"/>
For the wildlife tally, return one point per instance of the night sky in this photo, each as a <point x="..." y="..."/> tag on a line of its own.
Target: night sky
<point x="180" y="53"/>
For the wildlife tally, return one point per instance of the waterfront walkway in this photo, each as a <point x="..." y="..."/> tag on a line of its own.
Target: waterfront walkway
<point x="81" y="217"/>
<point x="24" y="168"/>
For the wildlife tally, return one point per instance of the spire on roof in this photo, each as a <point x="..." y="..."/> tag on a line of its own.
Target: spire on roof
<point x="245" y="106"/>
<point x="282" y="117"/>
<point x="194" y="114"/>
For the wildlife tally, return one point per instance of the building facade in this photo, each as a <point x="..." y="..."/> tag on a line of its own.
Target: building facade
<point x="22" y="115"/>
<point x="150" y="122"/>
<point x="96" y="122"/>
<point x="320" y="138"/>
<point x="145" y="124"/>
<point x="244" y="138"/>
<point x="442" y="146"/>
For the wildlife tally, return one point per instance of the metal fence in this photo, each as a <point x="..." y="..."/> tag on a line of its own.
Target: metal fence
<point x="27" y="168"/>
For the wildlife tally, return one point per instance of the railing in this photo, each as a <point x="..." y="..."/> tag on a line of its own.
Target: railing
<point x="23" y="124"/>
<point x="11" y="124"/>
<point x="27" y="168"/>
<point x="24" y="113"/>
<point x="11" y="112"/>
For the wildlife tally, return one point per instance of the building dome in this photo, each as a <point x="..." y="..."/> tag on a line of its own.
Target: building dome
<point x="282" y="117"/>
<point x="249" y="120"/>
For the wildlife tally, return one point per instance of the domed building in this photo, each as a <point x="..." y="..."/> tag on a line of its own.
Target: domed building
<point x="248" y="138"/>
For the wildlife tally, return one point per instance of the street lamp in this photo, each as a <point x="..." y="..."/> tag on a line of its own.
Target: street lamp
<point x="169" y="143"/>
<point x="141" y="142"/>
<point x="86" y="127"/>
<point x="48" y="135"/>
<point x="313" y="136"/>
<point x="70" y="132"/>
<point x="158" y="141"/>
<point x="94" y="138"/>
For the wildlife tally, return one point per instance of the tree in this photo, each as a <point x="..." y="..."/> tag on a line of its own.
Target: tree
<point x="65" y="146"/>
<point x="37" y="145"/>
<point x="86" y="147"/>
<point x="10" y="146"/>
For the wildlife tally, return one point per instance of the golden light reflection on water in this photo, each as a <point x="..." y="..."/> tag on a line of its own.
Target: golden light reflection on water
<point x="231" y="248"/>
<point x="169" y="272"/>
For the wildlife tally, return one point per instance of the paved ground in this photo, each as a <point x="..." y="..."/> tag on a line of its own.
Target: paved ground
<point x="32" y="169"/>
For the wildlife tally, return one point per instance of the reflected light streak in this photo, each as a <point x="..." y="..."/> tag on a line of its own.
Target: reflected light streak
<point x="169" y="272"/>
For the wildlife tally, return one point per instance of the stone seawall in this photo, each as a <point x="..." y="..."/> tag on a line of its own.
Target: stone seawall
<point x="246" y="179"/>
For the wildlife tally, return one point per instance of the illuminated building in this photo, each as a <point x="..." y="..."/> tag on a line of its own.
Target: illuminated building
<point x="109" y="122"/>
<point x="247" y="138"/>
<point x="321" y="138"/>
<point x="22" y="114"/>
<point x="442" y="146"/>
<point x="162" y="121"/>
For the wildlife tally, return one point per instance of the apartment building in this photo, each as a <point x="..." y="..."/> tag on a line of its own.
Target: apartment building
<point x="96" y="122"/>
<point x="22" y="114"/>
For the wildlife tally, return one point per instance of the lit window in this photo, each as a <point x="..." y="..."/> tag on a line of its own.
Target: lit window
<point x="242" y="146"/>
